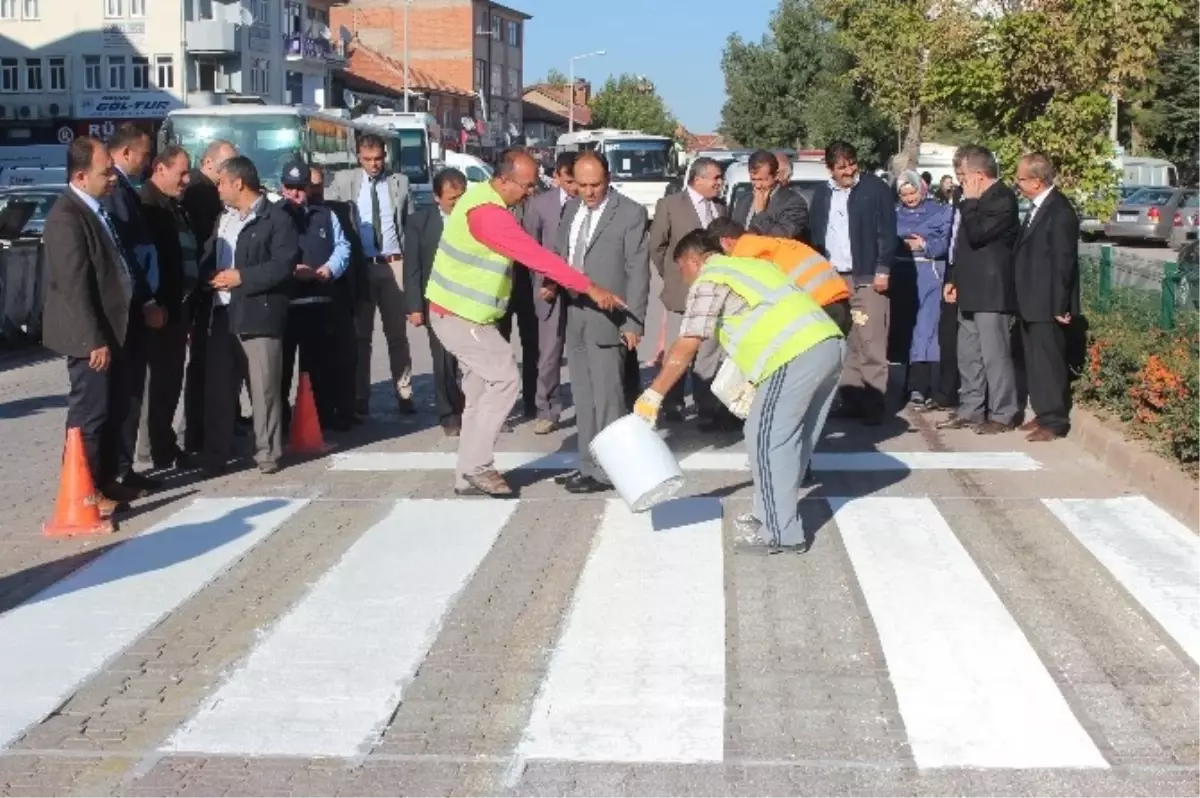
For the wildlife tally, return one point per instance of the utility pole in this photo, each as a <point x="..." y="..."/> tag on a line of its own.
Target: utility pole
<point x="571" y="87"/>
<point x="407" y="3"/>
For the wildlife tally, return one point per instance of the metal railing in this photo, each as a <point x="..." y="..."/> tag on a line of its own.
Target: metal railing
<point x="1162" y="293"/>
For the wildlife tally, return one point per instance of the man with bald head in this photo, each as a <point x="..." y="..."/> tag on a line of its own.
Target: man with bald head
<point x="603" y="236"/>
<point x="468" y="293"/>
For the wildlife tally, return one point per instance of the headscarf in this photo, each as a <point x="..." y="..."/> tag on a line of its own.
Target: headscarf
<point x="911" y="178"/>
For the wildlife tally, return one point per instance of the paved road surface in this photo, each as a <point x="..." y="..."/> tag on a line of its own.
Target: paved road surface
<point x="976" y="616"/>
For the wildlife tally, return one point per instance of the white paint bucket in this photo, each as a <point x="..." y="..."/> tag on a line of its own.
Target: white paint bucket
<point x="638" y="462"/>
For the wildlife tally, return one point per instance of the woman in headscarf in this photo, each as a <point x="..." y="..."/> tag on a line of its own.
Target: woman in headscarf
<point x="924" y="230"/>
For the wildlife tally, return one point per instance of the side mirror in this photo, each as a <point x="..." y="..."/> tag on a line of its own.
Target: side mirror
<point x="435" y="151"/>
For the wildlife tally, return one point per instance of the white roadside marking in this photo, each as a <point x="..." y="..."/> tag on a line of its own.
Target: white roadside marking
<point x="699" y="461"/>
<point x="970" y="687"/>
<point x="639" y="672"/>
<point x="66" y="633"/>
<point x="326" y="678"/>
<point x="1153" y="556"/>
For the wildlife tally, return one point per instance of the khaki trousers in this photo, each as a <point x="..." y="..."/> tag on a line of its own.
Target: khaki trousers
<point x="865" y="373"/>
<point x="385" y="290"/>
<point x="490" y="384"/>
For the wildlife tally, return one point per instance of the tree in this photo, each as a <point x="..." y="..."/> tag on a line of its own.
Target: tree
<point x="555" y="78"/>
<point x="631" y="102"/>
<point x="789" y="89"/>
<point x="1164" y="118"/>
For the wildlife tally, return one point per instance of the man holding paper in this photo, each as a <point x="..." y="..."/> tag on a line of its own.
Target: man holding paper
<point x="784" y="358"/>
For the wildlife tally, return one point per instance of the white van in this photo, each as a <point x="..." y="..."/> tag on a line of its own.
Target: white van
<point x="807" y="175"/>
<point x="476" y="169"/>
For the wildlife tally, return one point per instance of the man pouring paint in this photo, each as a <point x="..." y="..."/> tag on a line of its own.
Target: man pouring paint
<point x="784" y="356"/>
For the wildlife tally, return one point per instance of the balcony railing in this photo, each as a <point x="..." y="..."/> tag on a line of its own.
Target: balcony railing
<point x="313" y="48"/>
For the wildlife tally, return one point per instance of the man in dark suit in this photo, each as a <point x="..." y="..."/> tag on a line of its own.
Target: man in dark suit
<point x="89" y="294"/>
<point x="542" y="216"/>
<point x="421" y="237"/>
<point x="981" y="283"/>
<point x="203" y="207"/>
<point x="178" y="273"/>
<point x="129" y="149"/>
<point x="770" y="209"/>
<point x="602" y="235"/>
<point x="1047" y="287"/>
<point x="676" y="215"/>
<point x="255" y="250"/>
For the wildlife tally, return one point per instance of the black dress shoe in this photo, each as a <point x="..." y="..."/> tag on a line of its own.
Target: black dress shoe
<point x="141" y="482"/>
<point x="563" y="479"/>
<point x="407" y="406"/>
<point x="583" y="485"/>
<point x="722" y="422"/>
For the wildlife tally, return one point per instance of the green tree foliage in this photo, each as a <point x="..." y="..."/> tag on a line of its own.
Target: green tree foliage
<point x="790" y="89"/>
<point x="1164" y="118"/>
<point x="631" y="102"/>
<point x="555" y="78"/>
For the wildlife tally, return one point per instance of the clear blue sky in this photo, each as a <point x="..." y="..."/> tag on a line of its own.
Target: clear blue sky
<point x="675" y="43"/>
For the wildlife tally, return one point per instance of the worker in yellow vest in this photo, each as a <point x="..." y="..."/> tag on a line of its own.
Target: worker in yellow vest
<point x="783" y="345"/>
<point x="468" y="292"/>
<point x="809" y="269"/>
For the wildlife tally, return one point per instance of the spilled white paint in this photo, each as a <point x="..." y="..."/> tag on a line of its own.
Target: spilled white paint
<point x="1153" y="556"/>
<point x="699" y="461"/>
<point x="970" y="687"/>
<point x="65" y="634"/>
<point x="326" y="679"/>
<point x="639" y="672"/>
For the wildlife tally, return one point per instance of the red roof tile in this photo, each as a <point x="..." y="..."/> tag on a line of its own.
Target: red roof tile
<point x="387" y="71"/>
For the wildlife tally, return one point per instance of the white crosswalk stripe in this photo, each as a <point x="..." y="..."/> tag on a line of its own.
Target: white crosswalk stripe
<point x="638" y="670"/>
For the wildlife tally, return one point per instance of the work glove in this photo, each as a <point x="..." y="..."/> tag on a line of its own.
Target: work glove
<point x="647" y="406"/>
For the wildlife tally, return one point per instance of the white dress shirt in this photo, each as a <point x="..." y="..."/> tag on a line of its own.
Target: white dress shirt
<point x="390" y="236"/>
<point x="592" y="217"/>
<point x="1037" y="203"/>
<point x="705" y="211"/>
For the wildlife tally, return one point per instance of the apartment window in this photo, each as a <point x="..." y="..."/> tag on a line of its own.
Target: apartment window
<point x="141" y="73"/>
<point x="165" y="68"/>
<point x="116" y="72"/>
<point x="33" y="74"/>
<point x="514" y="83"/>
<point x="10" y="75"/>
<point x="293" y="88"/>
<point x="261" y="9"/>
<point x="114" y="8"/>
<point x="137" y="8"/>
<point x="259" y="76"/>
<point x="31" y="9"/>
<point x="292" y="18"/>
<point x="317" y="17"/>
<point x="58" y="73"/>
<point x="496" y="21"/>
<point x="480" y="74"/>
<point x="8" y="9"/>
<point x="514" y="34"/>
<point x="497" y="87"/>
<point x="91" y="73"/>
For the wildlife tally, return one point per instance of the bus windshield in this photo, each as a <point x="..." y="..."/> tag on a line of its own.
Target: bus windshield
<point x="413" y="160"/>
<point x="638" y="159"/>
<point x="269" y="141"/>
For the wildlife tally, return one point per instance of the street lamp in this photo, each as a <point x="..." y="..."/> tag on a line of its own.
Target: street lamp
<point x="571" y="88"/>
<point x="407" y="3"/>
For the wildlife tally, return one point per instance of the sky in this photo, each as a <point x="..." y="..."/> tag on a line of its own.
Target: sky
<point x="675" y="43"/>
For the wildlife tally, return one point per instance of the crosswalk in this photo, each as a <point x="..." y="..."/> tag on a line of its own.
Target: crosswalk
<point x="639" y="669"/>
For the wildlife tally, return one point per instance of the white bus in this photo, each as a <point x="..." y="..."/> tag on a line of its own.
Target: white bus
<point x="640" y="165"/>
<point x="418" y="137"/>
<point x="273" y="135"/>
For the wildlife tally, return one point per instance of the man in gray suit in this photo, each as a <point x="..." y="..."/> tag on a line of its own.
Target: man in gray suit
<point x="542" y="216"/>
<point x="603" y="235"/>
<point x="675" y="216"/>
<point x="381" y="204"/>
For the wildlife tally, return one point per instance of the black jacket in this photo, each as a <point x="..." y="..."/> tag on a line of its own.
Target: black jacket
<point x="421" y="236"/>
<point x="1046" y="272"/>
<point x="266" y="254"/>
<point x="872" y="210"/>
<point x="982" y="270"/>
<point x="786" y="215"/>
<point x="124" y="206"/>
<point x="353" y="283"/>
<point x="163" y="217"/>
<point x="202" y="204"/>
<point x="87" y="296"/>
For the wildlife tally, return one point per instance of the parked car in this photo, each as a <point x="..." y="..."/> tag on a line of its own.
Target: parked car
<point x="1185" y="222"/>
<point x="1148" y="215"/>
<point x="45" y="197"/>
<point x="1091" y="228"/>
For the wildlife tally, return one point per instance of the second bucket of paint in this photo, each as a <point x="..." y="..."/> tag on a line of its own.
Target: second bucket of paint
<point x="639" y="463"/>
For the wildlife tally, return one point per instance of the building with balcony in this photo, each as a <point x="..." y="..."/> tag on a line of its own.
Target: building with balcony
<point x="476" y="46"/>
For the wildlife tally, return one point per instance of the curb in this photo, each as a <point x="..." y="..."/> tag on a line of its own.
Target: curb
<point x="1156" y="477"/>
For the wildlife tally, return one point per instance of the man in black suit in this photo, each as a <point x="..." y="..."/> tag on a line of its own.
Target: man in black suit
<point x="1047" y="287"/>
<point x="90" y="292"/>
<point x="129" y="149"/>
<point x="770" y="209"/>
<point x="980" y="282"/>
<point x="421" y="236"/>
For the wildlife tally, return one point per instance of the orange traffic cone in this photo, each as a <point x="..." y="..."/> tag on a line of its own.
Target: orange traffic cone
<point x="77" y="511"/>
<point x="306" y="437"/>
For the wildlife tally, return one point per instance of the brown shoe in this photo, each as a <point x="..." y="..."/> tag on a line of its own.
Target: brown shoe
<point x="991" y="427"/>
<point x="1041" y="435"/>
<point x="954" y="422"/>
<point x="105" y="505"/>
<point x="544" y="426"/>
<point x="451" y="430"/>
<point x="488" y="483"/>
<point x="1029" y="426"/>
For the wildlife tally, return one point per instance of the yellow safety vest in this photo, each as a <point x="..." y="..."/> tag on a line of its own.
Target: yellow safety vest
<point x="780" y="323"/>
<point x="468" y="279"/>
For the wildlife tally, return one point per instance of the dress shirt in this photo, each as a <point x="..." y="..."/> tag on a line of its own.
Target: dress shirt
<point x="592" y="216"/>
<point x="837" y="231"/>
<point x="563" y="197"/>
<point x="1037" y="203"/>
<point x="704" y="207"/>
<point x="390" y="236"/>
<point x="96" y="208"/>
<point x="229" y="227"/>
<point x="340" y="258"/>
